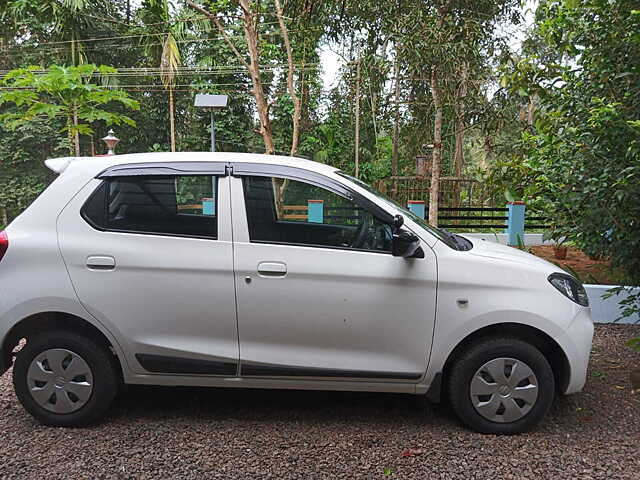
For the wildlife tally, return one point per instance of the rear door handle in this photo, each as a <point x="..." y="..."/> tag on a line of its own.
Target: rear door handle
<point x="272" y="269"/>
<point x="101" y="262"/>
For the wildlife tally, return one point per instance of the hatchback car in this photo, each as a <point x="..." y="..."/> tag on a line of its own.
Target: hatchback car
<point x="244" y="270"/>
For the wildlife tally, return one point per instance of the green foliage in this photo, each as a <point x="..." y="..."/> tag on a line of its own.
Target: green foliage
<point x="22" y="173"/>
<point x="62" y="92"/>
<point x="581" y="158"/>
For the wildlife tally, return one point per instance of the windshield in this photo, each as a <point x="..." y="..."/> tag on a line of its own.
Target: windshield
<point x="443" y="235"/>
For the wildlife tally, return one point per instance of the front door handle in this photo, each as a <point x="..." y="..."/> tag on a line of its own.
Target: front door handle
<point x="101" y="262"/>
<point x="272" y="269"/>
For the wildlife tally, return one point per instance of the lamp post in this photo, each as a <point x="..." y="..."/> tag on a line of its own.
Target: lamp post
<point x="211" y="103"/>
<point x="111" y="140"/>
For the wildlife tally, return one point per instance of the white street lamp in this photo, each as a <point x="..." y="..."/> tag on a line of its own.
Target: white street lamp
<point x="211" y="103"/>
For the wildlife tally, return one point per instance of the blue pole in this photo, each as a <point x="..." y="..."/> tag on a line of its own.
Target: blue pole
<point x="417" y="207"/>
<point x="515" y="223"/>
<point x="208" y="206"/>
<point x="315" y="211"/>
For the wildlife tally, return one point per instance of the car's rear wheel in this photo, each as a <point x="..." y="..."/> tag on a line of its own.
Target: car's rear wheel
<point x="65" y="379"/>
<point x="501" y="386"/>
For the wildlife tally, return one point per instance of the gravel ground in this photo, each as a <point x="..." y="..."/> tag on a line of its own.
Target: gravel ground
<point x="209" y="433"/>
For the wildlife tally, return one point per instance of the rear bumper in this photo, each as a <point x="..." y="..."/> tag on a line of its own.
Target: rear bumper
<point x="577" y="347"/>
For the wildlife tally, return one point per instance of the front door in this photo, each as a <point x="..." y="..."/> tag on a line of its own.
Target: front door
<point x="150" y="257"/>
<point x="318" y="292"/>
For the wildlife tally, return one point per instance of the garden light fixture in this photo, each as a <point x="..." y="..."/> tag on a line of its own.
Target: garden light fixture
<point x="212" y="103"/>
<point x="111" y="140"/>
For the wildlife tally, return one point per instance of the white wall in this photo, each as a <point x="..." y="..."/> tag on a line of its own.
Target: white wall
<point x="530" y="239"/>
<point x="608" y="310"/>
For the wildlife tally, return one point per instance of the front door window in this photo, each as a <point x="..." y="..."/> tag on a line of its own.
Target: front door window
<point x="292" y="212"/>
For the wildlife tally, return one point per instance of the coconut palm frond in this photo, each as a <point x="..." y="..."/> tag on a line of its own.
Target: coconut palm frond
<point x="74" y="4"/>
<point x="169" y="61"/>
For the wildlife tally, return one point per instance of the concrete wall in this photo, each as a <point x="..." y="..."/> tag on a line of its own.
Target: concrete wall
<point x="608" y="310"/>
<point x="530" y="239"/>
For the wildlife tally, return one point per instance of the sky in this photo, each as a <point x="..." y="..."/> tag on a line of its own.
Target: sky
<point x="331" y="61"/>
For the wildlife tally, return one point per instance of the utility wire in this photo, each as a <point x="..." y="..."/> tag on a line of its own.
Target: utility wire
<point x="154" y="71"/>
<point x="142" y="35"/>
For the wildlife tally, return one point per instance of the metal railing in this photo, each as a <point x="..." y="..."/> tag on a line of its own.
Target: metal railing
<point x="451" y="218"/>
<point x="485" y="218"/>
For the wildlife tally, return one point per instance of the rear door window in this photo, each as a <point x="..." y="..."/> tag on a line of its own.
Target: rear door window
<point x="163" y="205"/>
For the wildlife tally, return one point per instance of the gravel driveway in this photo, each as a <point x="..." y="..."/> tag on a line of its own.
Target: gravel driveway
<point x="207" y="433"/>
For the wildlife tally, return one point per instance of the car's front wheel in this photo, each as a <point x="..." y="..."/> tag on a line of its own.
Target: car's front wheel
<point x="501" y="386"/>
<point x="65" y="379"/>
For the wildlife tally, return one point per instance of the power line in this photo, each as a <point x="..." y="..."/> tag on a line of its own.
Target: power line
<point x="218" y="68"/>
<point x="141" y="35"/>
<point x="194" y="18"/>
<point x="53" y="50"/>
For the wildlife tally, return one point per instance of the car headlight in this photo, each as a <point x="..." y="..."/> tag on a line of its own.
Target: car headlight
<point x="570" y="288"/>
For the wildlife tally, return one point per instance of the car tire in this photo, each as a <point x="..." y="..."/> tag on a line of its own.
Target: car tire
<point x="515" y="400"/>
<point x="65" y="379"/>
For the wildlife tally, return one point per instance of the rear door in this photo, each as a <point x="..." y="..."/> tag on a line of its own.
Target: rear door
<point x="319" y="294"/>
<point x="149" y="253"/>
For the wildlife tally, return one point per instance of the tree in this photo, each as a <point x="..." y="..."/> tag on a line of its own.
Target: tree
<point x="156" y="16"/>
<point x="66" y="92"/>
<point x="582" y="153"/>
<point x="250" y="27"/>
<point x="297" y="104"/>
<point x="22" y="173"/>
<point x="446" y="46"/>
<point x="69" y="21"/>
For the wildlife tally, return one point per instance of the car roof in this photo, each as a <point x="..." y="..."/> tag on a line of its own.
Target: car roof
<point x="99" y="163"/>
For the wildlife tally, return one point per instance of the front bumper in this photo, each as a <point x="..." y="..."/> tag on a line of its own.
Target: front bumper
<point x="577" y="347"/>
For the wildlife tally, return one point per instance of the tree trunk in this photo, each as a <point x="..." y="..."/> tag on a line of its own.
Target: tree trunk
<point x="357" y="115"/>
<point x="76" y="135"/>
<point x="297" y="105"/>
<point x="488" y="153"/>
<point x="172" y="126"/>
<point x="305" y="120"/>
<point x="436" y="95"/>
<point x="4" y="218"/>
<point x="396" y="123"/>
<point x="69" y="133"/>
<point x="458" y="155"/>
<point x="458" y="159"/>
<point x="437" y="149"/>
<point x="531" y="111"/>
<point x="251" y="36"/>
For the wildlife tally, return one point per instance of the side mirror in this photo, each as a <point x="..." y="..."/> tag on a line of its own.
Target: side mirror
<point x="398" y="221"/>
<point x="406" y="244"/>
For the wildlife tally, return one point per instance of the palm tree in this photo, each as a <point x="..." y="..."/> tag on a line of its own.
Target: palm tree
<point x="169" y="63"/>
<point x="156" y="15"/>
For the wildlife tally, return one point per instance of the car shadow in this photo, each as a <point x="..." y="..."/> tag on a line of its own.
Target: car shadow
<point x="258" y="405"/>
<point x="145" y="403"/>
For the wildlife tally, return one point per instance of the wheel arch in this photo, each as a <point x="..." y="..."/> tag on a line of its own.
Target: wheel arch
<point x="55" y="320"/>
<point x="552" y="351"/>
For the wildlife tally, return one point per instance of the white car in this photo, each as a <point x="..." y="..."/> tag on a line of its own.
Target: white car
<point x="246" y="270"/>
